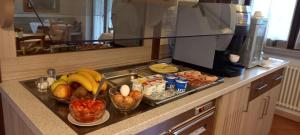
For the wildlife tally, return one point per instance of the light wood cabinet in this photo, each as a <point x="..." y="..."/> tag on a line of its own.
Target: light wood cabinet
<point x="14" y="123"/>
<point x="260" y="113"/>
<point x="249" y="110"/>
<point x="262" y="101"/>
<point x="270" y="109"/>
<point x="253" y="123"/>
<point x="230" y="111"/>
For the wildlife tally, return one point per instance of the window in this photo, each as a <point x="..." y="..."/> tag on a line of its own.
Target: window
<point x="98" y="18"/>
<point x="101" y="17"/>
<point x="279" y="13"/>
<point x="280" y="16"/>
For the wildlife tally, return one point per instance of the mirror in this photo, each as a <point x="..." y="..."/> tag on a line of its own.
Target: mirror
<point x="53" y="26"/>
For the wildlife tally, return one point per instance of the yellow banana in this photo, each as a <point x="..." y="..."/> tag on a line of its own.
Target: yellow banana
<point x="95" y="90"/>
<point x="82" y="80"/>
<point x="64" y="77"/>
<point x="90" y="78"/>
<point x="56" y="83"/>
<point x="95" y="74"/>
<point x="104" y="87"/>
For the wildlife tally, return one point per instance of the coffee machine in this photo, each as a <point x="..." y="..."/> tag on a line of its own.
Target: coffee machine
<point x="253" y="47"/>
<point x="228" y="62"/>
<point x="214" y="34"/>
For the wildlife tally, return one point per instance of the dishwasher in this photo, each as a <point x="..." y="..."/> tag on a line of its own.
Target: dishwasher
<point x="197" y="121"/>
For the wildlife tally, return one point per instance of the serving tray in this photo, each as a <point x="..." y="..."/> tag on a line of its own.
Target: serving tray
<point x="156" y="101"/>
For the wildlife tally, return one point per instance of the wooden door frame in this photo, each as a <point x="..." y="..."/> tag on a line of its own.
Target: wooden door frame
<point x="248" y="2"/>
<point x="295" y="27"/>
<point x="2" y="128"/>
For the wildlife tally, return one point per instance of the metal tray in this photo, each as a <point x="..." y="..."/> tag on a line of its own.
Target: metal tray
<point x="189" y="90"/>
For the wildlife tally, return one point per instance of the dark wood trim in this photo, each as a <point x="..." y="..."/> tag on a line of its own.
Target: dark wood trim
<point x="156" y="41"/>
<point x="294" y="27"/>
<point x="2" y="129"/>
<point x="248" y="2"/>
<point x="155" y="48"/>
<point x="105" y="26"/>
<point x="0" y="72"/>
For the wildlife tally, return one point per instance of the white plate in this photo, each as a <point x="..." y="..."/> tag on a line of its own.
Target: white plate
<point x="104" y="118"/>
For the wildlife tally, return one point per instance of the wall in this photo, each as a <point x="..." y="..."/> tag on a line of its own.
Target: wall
<point x="282" y="52"/>
<point x="7" y="43"/>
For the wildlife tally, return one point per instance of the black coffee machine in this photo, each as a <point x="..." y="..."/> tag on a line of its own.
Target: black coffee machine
<point x="226" y="63"/>
<point x="219" y="51"/>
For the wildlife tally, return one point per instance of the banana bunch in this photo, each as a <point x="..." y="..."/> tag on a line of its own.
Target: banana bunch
<point x="87" y="78"/>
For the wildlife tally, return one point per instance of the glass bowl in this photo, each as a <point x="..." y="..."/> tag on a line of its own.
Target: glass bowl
<point x="87" y="110"/>
<point x="125" y="103"/>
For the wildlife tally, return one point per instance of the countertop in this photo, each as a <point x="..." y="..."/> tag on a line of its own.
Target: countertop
<point x="43" y="121"/>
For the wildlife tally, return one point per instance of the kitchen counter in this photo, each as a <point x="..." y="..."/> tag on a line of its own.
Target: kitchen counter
<point x="41" y="120"/>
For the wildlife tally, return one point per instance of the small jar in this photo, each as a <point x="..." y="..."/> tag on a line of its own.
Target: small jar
<point x="51" y="76"/>
<point x="42" y="84"/>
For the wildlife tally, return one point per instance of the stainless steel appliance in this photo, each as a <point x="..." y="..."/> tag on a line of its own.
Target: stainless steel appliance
<point x="253" y="48"/>
<point x="219" y="30"/>
<point x="197" y="121"/>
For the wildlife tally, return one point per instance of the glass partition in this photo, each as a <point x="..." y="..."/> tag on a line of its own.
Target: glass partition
<point x="52" y="26"/>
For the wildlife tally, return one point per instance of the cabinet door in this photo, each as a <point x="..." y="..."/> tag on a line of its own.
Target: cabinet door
<point x="253" y="122"/>
<point x="272" y="97"/>
<point x="230" y="111"/>
<point x="13" y="122"/>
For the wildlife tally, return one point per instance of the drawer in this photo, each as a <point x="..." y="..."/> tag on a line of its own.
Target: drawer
<point x="276" y="78"/>
<point x="202" y="125"/>
<point x="266" y="83"/>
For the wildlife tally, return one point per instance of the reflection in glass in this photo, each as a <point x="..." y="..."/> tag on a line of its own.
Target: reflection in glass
<point x="50" y="26"/>
<point x="79" y="25"/>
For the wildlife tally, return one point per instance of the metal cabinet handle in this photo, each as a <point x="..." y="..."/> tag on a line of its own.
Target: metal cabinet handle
<point x="267" y="105"/>
<point x="262" y="87"/>
<point x="263" y="109"/>
<point x="278" y="78"/>
<point x="180" y="130"/>
<point x="199" y="131"/>
<point x="246" y="101"/>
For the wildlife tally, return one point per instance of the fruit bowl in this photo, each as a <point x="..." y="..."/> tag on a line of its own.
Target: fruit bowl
<point x="125" y="103"/>
<point x="87" y="110"/>
<point x="62" y="93"/>
<point x="61" y="100"/>
<point x="82" y="83"/>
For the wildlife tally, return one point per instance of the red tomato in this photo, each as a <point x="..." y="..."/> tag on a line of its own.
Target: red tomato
<point x="87" y="110"/>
